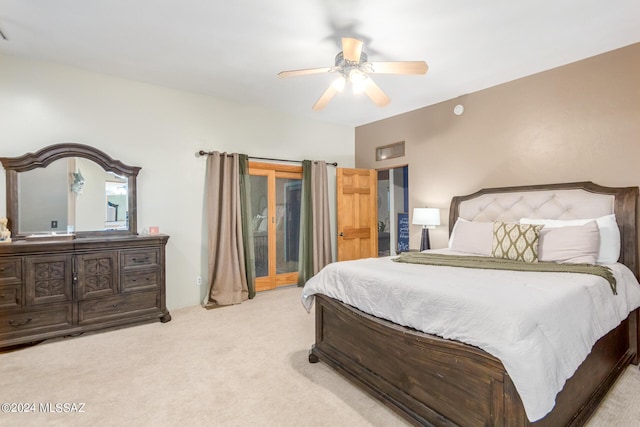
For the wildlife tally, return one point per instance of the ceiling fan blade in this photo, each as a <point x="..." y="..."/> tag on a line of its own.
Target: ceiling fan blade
<point x="304" y="72"/>
<point x="376" y="94"/>
<point x="399" y="67"/>
<point x="351" y="49"/>
<point x="325" y="98"/>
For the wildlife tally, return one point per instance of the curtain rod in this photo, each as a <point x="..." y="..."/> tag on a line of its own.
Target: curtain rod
<point x="207" y="153"/>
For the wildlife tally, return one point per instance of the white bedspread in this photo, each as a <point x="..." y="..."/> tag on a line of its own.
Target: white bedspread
<point x="540" y="325"/>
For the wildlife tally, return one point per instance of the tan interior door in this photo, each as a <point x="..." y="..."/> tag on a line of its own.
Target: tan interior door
<point x="357" y="211"/>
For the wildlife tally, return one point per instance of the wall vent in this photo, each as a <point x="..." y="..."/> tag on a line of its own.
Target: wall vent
<point x="390" y="151"/>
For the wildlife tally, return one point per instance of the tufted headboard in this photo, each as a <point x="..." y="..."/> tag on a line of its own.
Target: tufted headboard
<point x="574" y="200"/>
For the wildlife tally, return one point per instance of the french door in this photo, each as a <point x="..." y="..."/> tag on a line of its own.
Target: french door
<point x="276" y="192"/>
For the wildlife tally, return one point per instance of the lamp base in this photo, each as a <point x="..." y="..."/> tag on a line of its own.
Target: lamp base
<point x="424" y="242"/>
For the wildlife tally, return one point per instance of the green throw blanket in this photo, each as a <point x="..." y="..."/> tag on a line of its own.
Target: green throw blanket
<point x="506" y="264"/>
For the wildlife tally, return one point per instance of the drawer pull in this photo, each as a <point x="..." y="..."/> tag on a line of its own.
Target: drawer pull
<point x="141" y="260"/>
<point x="14" y="323"/>
<point x="115" y="306"/>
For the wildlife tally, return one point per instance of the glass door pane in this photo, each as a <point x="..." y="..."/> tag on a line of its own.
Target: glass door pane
<point x="393" y="204"/>
<point x="400" y="192"/>
<point x="288" y="199"/>
<point x="260" y="222"/>
<point x="384" y="214"/>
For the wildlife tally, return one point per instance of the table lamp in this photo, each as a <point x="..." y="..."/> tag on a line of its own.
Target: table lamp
<point x="427" y="218"/>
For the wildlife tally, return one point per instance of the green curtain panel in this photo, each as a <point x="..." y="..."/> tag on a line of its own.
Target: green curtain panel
<point x="305" y="262"/>
<point x="247" y="231"/>
<point x="315" y="237"/>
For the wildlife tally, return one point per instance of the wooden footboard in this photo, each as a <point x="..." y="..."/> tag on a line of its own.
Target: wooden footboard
<point x="432" y="381"/>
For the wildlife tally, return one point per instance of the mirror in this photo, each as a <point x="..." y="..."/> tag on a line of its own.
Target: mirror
<point x="70" y="189"/>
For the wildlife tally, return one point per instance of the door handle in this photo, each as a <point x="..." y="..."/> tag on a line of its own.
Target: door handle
<point x="341" y="234"/>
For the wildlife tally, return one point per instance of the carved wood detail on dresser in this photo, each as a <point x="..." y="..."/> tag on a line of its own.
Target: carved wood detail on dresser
<point x="60" y="288"/>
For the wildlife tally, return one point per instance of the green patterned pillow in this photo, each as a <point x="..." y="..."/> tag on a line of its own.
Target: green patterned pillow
<point x="515" y="241"/>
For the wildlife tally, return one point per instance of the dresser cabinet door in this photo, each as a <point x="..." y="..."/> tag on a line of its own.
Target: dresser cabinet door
<point x="48" y="279"/>
<point x="97" y="275"/>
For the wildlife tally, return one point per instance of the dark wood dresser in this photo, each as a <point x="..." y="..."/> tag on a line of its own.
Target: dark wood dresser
<point x="58" y="288"/>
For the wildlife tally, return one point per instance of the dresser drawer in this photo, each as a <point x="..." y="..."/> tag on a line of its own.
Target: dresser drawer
<point x="143" y="258"/>
<point x="139" y="280"/>
<point x="10" y="270"/>
<point x="34" y="321"/>
<point x="10" y="296"/>
<point x="133" y="304"/>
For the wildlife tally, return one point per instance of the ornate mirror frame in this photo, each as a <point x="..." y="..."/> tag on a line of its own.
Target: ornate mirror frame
<point x="47" y="155"/>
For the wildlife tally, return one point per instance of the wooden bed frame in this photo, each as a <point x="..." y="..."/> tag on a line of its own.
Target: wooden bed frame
<point x="432" y="381"/>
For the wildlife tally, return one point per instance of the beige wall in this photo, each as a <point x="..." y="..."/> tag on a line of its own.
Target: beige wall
<point x="579" y="122"/>
<point x="160" y="130"/>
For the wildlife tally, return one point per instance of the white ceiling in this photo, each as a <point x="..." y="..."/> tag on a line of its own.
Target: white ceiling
<point x="233" y="49"/>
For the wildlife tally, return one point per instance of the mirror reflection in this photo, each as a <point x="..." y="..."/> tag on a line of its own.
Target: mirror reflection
<point x="70" y="195"/>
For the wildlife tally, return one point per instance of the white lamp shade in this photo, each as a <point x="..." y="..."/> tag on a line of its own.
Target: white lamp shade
<point x="429" y="217"/>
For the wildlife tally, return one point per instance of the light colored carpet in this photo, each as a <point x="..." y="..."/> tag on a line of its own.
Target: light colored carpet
<point x="235" y="366"/>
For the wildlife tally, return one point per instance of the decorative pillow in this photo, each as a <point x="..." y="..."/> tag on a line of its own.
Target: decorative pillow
<point x="577" y="244"/>
<point x="609" y="250"/>
<point x="472" y="237"/>
<point x="516" y="241"/>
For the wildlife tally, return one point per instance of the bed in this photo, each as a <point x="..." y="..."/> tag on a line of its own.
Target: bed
<point x="435" y="381"/>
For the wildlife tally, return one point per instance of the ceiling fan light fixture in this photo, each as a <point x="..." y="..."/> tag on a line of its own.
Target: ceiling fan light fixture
<point x="339" y="83"/>
<point x="356" y="76"/>
<point x="352" y="65"/>
<point x="358" y="80"/>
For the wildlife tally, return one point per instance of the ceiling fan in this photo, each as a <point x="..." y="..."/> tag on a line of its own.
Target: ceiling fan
<point x="352" y="66"/>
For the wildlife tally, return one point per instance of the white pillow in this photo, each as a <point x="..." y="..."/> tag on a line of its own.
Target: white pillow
<point x="472" y="237"/>
<point x="575" y="244"/>
<point x="609" y="250"/>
